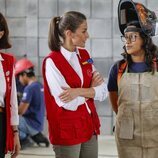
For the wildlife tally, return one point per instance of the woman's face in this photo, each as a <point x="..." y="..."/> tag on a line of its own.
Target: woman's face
<point x="80" y="36"/>
<point x="133" y="43"/>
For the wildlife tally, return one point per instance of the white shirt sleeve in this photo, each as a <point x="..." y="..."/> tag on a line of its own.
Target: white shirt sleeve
<point x="13" y="103"/>
<point x="55" y="81"/>
<point x="101" y="91"/>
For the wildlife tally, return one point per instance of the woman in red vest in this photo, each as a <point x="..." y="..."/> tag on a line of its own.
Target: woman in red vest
<point x="71" y="84"/>
<point x="9" y="138"/>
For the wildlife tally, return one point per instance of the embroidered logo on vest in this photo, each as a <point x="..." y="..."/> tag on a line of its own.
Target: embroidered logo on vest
<point x="89" y="61"/>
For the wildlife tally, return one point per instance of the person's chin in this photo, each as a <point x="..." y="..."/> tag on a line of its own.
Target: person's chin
<point x="81" y="46"/>
<point x="130" y="51"/>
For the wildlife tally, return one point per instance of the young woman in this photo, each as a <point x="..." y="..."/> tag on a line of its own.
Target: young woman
<point x="9" y="138"/>
<point x="133" y="92"/>
<point x="71" y="84"/>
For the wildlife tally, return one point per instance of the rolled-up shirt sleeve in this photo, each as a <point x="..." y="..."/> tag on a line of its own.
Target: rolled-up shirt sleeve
<point x="55" y="81"/>
<point x="14" y="103"/>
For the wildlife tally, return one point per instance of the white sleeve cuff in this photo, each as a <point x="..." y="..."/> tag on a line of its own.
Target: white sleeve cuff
<point x="101" y="92"/>
<point x="15" y="120"/>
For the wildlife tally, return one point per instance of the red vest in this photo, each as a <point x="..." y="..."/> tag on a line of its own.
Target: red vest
<point x="7" y="65"/>
<point x="70" y="127"/>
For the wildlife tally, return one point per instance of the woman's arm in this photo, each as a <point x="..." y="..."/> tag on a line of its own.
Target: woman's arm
<point x="69" y="94"/>
<point x="14" y="118"/>
<point x="113" y="96"/>
<point x="113" y="87"/>
<point x="17" y="146"/>
<point x="98" y="90"/>
<point x="14" y="103"/>
<point x="71" y="98"/>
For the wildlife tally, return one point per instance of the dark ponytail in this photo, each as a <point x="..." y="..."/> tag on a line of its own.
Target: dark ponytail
<point x="53" y="36"/>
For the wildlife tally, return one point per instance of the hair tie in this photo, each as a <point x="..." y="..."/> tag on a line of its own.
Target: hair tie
<point x="58" y="19"/>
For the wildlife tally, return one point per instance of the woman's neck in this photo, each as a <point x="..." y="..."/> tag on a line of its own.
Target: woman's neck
<point x="69" y="46"/>
<point x="139" y="57"/>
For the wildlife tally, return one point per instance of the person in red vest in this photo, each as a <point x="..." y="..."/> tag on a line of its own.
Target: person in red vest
<point x="71" y="83"/>
<point x="9" y="119"/>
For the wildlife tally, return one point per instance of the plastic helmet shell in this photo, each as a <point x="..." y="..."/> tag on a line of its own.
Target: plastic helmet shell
<point x="130" y="11"/>
<point x="22" y="65"/>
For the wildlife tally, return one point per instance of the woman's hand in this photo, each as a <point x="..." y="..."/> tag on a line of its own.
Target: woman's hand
<point x="97" y="79"/>
<point x="69" y="94"/>
<point x="16" y="145"/>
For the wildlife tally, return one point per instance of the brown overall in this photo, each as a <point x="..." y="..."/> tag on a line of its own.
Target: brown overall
<point x="137" y="118"/>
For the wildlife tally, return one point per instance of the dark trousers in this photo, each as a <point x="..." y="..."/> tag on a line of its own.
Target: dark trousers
<point x="88" y="149"/>
<point x="2" y="134"/>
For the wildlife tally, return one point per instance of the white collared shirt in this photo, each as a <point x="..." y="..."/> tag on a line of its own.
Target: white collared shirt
<point x="2" y="83"/>
<point x="56" y="80"/>
<point x="13" y="100"/>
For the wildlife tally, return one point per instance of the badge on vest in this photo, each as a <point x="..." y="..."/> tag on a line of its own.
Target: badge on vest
<point x="89" y="72"/>
<point x="89" y="61"/>
<point x="7" y="73"/>
<point x="7" y="76"/>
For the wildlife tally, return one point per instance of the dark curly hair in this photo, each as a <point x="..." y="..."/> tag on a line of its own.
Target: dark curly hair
<point x="4" y="41"/>
<point x="151" y="50"/>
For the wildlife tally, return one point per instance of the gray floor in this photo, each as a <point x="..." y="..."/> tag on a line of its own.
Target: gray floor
<point x="107" y="149"/>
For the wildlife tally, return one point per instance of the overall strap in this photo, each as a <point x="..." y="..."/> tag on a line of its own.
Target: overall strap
<point x="121" y="70"/>
<point x="155" y="64"/>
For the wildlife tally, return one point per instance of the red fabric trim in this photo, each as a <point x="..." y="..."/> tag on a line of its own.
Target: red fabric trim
<point x="8" y="72"/>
